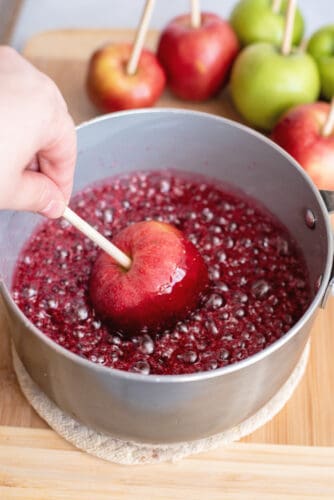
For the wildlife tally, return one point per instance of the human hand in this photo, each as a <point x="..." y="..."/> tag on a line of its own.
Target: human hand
<point x="37" y="139"/>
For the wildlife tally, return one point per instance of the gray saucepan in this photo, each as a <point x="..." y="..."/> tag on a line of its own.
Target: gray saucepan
<point x="168" y="409"/>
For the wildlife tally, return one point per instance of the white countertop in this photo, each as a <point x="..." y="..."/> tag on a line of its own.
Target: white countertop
<point x="40" y="15"/>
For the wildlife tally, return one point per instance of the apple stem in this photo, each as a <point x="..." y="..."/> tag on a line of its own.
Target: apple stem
<point x="132" y="65"/>
<point x="276" y="6"/>
<point x="120" y="257"/>
<point x="288" y="30"/>
<point x="195" y="14"/>
<point x="329" y="123"/>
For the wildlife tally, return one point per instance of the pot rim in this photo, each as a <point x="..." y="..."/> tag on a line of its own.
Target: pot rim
<point x="226" y="370"/>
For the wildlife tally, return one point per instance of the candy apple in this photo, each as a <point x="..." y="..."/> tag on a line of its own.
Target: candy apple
<point x="197" y="60"/>
<point x="265" y="83"/>
<point x="256" y="21"/>
<point x="110" y="88"/>
<point x="300" y="133"/>
<point x="163" y="285"/>
<point x="321" y="47"/>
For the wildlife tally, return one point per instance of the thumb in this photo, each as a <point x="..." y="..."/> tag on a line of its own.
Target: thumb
<point x="38" y="193"/>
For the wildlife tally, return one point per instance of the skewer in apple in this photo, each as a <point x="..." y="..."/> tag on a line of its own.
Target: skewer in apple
<point x="329" y="123"/>
<point x="307" y="133"/>
<point x="114" y="252"/>
<point x="149" y="278"/>
<point x="165" y="282"/>
<point x="197" y="50"/>
<point x="276" y="6"/>
<point x="121" y="76"/>
<point x="283" y="78"/>
<point x="195" y="14"/>
<point x="263" y="21"/>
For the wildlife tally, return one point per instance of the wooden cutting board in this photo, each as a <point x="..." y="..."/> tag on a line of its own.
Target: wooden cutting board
<point x="37" y="464"/>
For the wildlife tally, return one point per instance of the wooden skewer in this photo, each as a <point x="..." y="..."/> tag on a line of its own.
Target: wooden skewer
<point x="329" y="123"/>
<point x="120" y="257"/>
<point x="289" y="22"/>
<point x="132" y="65"/>
<point x="195" y="14"/>
<point x="276" y="5"/>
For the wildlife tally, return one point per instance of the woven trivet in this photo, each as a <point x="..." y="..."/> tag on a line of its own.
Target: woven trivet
<point x="130" y="453"/>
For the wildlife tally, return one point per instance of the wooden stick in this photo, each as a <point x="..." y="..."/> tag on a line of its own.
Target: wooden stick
<point x="120" y="257"/>
<point x="195" y="14"/>
<point x="329" y="123"/>
<point x="289" y="22"/>
<point x="276" y="6"/>
<point x="132" y="65"/>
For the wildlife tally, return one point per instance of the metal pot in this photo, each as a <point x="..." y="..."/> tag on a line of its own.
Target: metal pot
<point x="184" y="407"/>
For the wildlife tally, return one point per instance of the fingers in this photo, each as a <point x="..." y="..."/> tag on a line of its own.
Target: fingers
<point x="56" y="138"/>
<point x="38" y="193"/>
<point x="37" y="140"/>
<point x="57" y="158"/>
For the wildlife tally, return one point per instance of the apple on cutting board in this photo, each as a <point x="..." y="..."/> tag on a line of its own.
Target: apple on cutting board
<point x="109" y="86"/>
<point x="197" y="60"/>
<point x="301" y="133"/>
<point x="265" y="83"/>
<point x="321" y="47"/>
<point x="158" y="289"/>
<point x="257" y="21"/>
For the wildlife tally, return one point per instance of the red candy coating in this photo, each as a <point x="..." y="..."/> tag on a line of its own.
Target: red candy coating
<point x="258" y="281"/>
<point x="164" y="284"/>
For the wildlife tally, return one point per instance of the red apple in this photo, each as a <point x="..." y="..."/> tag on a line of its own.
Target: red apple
<point x="197" y="60"/>
<point x="299" y="132"/>
<point x="111" y="89"/>
<point x="163" y="285"/>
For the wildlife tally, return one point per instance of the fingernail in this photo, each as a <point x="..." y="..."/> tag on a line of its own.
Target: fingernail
<point x="54" y="209"/>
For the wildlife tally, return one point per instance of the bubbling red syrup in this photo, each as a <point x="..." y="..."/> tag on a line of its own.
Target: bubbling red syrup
<point x="259" y="285"/>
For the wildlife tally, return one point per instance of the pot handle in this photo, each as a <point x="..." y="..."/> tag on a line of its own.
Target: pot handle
<point x="328" y="197"/>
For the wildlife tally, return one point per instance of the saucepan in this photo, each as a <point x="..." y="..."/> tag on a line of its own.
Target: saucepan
<point x="165" y="409"/>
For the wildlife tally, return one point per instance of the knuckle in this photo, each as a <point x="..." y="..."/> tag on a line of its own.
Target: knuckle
<point x="65" y="138"/>
<point x="44" y="194"/>
<point x="48" y="87"/>
<point x="54" y="99"/>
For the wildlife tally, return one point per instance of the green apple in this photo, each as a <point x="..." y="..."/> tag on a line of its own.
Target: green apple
<point x="266" y="83"/>
<point x="255" y="21"/>
<point x="321" y="47"/>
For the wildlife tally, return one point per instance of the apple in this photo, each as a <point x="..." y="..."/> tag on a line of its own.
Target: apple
<point x="255" y="21"/>
<point x="266" y="83"/>
<point x="110" y="88"/>
<point x="321" y="47"/>
<point x="163" y="285"/>
<point x="299" y="132"/>
<point x="197" y="60"/>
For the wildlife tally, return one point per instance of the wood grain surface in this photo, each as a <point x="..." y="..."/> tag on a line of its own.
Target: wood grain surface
<point x="36" y="464"/>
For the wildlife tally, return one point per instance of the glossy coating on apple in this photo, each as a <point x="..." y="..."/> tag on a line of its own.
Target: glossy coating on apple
<point x="300" y="133"/>
<point x="256" y="21"/>
<point x="321" y="47"/>
<point x="165" y="283"/>
<point x="197" y="60"/>
<point x="109" y="86"/>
